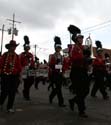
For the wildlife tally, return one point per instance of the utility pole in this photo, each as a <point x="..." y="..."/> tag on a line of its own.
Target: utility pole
<point x="13" y="31"/>
<point x="2" y="37"/>
<point x="35" y="46"/>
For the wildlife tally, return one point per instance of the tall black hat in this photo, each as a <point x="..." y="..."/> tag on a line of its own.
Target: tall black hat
<point x="57" y="41"/>
<point x="98" y="45"/>
<point x="27" y="42"/>
<point x="75" y="31"/>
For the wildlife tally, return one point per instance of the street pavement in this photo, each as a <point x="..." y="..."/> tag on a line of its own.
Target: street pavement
<point x="38" y="111"/>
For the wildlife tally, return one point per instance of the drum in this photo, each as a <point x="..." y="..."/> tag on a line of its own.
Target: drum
<point x="31" y="73"/>
<point x="41" y="73"/>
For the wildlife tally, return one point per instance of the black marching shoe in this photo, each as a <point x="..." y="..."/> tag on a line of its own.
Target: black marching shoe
<point x="62" y="105"/>
<point x="83" y="115"/>
<point x="106" y="97"/>
<point x="1" y="107"/>
<point x="71" y="104"/>
<point x="93" y="96"/>
<point x="27" y="99"/>
<point x="10" y="111"/>
<point x="50" y="100"/>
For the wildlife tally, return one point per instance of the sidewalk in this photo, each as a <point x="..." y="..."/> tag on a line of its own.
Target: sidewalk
<point x="38" y="111"/>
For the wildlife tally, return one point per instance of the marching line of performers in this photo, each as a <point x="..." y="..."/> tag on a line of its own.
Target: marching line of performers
<point x="82" y="70"/>
<point x="12" y="67"/>
<point x="79" y="62"/>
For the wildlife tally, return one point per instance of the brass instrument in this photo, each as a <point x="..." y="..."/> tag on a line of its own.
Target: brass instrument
<point x="88" y="45"/>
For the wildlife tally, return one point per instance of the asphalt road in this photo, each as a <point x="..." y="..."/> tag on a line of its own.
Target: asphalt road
<point x="38" y="111"/>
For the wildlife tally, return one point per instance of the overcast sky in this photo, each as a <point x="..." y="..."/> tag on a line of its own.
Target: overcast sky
<point x="41" y="20"/>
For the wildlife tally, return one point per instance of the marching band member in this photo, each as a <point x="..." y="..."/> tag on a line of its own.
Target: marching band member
<point x="27" y="62"/>
<point x="108" y="69"/>
<point x="37" y="63"/>
<point x="55" y="75"/>
<point x="10" y="69"/>
<point x="67" y="63"/>
<point x="42" y="74"/>
<point x="99" y="72"/>
<point x="66" y="69"/>
<point x="78" y="75"/>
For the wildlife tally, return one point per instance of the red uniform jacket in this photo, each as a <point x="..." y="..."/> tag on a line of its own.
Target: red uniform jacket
<point x="27" y="60"/>
<point x="99" y="64"/>
<point x="10" y="64"/>
<point x="77" y="55"/>
<point x="53" y="62"/>
<point x="66" y="63"/>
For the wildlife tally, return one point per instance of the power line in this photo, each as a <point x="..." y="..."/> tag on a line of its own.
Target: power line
<point x="96" y="27"/>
